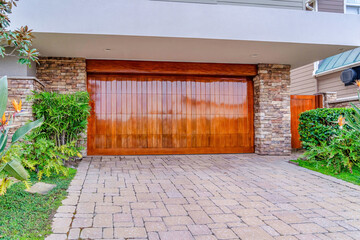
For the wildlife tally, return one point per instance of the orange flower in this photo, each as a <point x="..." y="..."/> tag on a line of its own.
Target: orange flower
<point x="3" y="120"/>
<point x="357" y="82"/>
<point x="341" y="121"/>
<point x="16" y="105"/>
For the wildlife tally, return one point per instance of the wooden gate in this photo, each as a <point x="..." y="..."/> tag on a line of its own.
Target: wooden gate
<point x="300" y="104"/>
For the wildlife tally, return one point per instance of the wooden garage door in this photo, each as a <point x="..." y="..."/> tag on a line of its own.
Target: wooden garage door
<point x="134" y="114"/>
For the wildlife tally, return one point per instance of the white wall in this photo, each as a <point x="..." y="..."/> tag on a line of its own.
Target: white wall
<point x="187" y="20"/>
<point x="10" y="67"/>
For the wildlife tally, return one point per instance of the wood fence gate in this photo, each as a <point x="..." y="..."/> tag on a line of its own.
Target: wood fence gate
<point x="298" y="105"/>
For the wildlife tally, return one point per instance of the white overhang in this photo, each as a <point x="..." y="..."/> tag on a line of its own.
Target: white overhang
<point x="168" y="31"/>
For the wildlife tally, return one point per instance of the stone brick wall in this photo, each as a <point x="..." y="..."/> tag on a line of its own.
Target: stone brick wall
<point x="328" y="97"/>
<point x="331" y="100"/>
<point x="342" y="104"/>
<point x="63" y="75"/>
<point x="272" y="110"/>
<point x="19" y="88"/>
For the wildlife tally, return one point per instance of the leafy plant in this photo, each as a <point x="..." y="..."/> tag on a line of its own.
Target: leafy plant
<point x="354" y="122"/>
<point x="320" y="125"/>
<point x="65" y="115"/>
<point x="43" y="156"/>
<point x="340" y="153"/>
<point x="19" y="41"/>
<point x="11" y="167"/>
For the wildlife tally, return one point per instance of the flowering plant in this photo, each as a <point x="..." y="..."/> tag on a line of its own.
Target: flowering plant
<point x="11" y="168"/>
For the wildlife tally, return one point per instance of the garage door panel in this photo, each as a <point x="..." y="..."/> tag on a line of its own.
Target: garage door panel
<point x="140" y="114"/>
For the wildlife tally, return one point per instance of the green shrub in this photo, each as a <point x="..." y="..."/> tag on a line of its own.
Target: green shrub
<point x="43" y="156"/>
<point x="65" y="115"/>
<point x="319" y="125"/>
<point x="341" y="152"/>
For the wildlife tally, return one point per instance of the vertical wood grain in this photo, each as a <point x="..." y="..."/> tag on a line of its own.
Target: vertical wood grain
<point x="160" y="114"/>
<point x="298" y="105"/>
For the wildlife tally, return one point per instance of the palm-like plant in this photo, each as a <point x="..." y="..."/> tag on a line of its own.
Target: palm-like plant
<point x="12" y="168"/>
<point x="354" y="120"/>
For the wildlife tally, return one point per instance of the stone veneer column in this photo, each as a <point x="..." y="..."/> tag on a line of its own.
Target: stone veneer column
<point x="64" y="75"/>
<point x="328" y="97"/>
<point x="272" y="110"/>
<point x="19" y="88"/>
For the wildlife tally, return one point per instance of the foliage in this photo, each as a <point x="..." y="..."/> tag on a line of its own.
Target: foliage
<point x="320" y="125"/>
<point x="19" y="40"/>
<point x="65" y="115"/>
<point x="354" y="122"/>
<point x="43" y="156"/>
<point x="11" y="167"/>
<point x="320" y="166"/>
<point x="21" y="215"/>
<point x="340" y="153"/>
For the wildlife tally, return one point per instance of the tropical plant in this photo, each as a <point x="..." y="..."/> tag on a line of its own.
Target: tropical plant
<point x="65" y="115"/>
<point x="16" y="43"/>
<point x="42" y="155"/>
<point x="342" y="152"/>
<point x="11" y="167"/>
<point x="354" y="122"/>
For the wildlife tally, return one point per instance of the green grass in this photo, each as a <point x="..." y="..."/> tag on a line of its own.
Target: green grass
<point x="320" y="166"/>
<point x="28" y="216"/>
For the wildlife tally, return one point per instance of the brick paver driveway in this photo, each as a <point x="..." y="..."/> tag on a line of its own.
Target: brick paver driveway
<point x="243" y="196"/>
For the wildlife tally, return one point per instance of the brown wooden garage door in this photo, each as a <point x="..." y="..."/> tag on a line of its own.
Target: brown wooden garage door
<point x="169" y="114"/>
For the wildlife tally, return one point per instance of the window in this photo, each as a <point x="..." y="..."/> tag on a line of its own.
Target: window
<point x="352" y="6"/>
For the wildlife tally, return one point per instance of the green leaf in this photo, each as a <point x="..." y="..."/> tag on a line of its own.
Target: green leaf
<point x="3" y="95"/>
<point x="22" y="131"/>
<point x="16" y="170"/>
<point x="3" y="141"/>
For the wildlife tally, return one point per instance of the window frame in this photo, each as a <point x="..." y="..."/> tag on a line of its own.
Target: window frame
<point x="351" y="5"/>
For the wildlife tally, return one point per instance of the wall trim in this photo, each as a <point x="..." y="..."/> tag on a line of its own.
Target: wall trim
<point x="347" y="99"/>
<point x="170" y="68"/>
<point x="26" y="78"/>
<point x="337" y="69"/>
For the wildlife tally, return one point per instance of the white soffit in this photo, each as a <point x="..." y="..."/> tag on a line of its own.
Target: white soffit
<point x="180" y="49"/>
<point x="152" y="30"/>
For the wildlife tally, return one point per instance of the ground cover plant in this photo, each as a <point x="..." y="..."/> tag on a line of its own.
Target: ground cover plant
<point x="320" y="166"/>
<point x="25" y="215"/>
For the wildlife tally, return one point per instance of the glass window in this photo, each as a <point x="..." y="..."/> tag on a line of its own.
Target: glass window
<point x="352" y="6"/>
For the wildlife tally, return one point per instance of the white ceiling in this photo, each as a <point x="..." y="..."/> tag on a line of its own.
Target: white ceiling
<point x="181" y="49"/>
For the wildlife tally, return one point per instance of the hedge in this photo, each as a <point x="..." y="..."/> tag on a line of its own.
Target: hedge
<point x="318" y="125"/>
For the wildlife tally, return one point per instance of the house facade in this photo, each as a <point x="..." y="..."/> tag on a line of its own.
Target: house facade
<point x="176" y="77"/>
<point x="324" y="76"/>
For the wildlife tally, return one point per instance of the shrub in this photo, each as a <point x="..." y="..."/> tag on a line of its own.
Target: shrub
<point x="65" y="115"/>
<point x="340" y="152"/>
<point x="43" y="156"/>
<point x="319" y="125"/>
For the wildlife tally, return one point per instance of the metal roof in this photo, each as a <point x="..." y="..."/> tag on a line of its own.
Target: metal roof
<point x="337" y="62"/>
